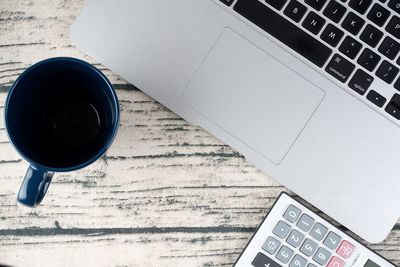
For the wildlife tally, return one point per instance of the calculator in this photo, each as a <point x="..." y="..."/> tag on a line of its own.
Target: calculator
<point x="293" y="235"/>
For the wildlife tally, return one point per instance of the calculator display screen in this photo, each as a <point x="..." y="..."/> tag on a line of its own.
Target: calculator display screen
<point x="371" y="264"/>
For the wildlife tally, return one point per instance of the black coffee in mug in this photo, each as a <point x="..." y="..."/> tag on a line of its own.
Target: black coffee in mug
<point x="61" y="115"/>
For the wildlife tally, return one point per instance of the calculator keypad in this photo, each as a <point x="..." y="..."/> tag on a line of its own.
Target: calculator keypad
<point x="271" y="245"/>
<point x="309" y="247"/>
<point x="295" y="243"/>
<point x="332" y="240"/>
<point x="292" y="213"/>
<point x="346" y="249"/>
<point x="305" y="223"/>
<point x="284" y="254"/>
<point x="295" y="238"/>
<point x="318" y="231"/>
<point x="281" y="229"/>
<point x="322" y="256"/>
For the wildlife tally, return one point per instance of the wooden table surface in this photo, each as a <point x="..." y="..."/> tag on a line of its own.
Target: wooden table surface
<point x="165" y="194"/>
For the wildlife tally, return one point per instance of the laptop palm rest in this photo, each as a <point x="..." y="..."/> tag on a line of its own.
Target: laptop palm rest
<point x="255" y="98"/>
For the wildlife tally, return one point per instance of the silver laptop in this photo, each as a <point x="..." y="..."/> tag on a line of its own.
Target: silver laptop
<point x="306" y="90"/>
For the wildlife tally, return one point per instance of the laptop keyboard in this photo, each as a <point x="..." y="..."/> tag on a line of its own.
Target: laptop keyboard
<point x="354" y="41"/>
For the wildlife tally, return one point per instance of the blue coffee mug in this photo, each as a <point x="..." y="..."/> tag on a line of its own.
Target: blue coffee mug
<point x="61" y="114"/>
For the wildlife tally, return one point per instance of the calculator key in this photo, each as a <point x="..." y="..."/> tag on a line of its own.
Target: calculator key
<point x="298" y="261"/>
<point x="295" y="10"/>
<point x="340" y="68"/>
<point x="261" y="261"/>
<point x="353" y="23"/>
<point x="371" y="35"/>
<point x="361" y="81"/>
<point x="271" y="245"/>
<point x="394" y="5"/>
<point x="335" y="262"/>
<point x="360" y="5"/>
<point x="389" y="48"/>
<point x="311" y="265"/>
<point x="295" y="238"/>
<point x="387" y="72"/>
<point x="317" y="4"/>
<point x="346" y="249"/>
<point x="332" y="240"/>
<point x="281" y="229"/>
<point x="305" y="222"/>
<point x="284" y="254"/>
<point x="292" y="213"/>
<point x="332" y="35"/>
<point x="378" y="14"/>
<point x="393" y="26"/>
<point x="376" y="98"/>
<point x="318" y="231"/>
<point x="369" y="59"/>
<point x="350" y="47"/>
<point x="322" y="256"/>
<point x="334" y="11"/>
<point x="308" y="247"/>
<point x="313" y="22"/>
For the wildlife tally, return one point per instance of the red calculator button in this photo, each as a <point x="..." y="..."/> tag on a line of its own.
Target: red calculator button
<point x="336" y="262"/>
<point x="345" y="249"/>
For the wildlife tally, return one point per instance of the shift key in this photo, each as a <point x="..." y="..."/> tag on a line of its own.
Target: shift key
<point x="340" y="68"/>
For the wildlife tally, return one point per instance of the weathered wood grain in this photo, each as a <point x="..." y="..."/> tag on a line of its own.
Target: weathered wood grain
<point x="166" y="193"/>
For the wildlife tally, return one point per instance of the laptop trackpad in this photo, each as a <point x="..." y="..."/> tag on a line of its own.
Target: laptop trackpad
<point x="252" y="96"/>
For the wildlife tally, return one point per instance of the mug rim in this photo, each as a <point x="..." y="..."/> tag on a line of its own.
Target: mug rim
<point x="106" y="145"/>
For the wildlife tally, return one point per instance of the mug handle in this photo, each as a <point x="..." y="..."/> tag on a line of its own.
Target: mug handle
<point x="34" y="186"/>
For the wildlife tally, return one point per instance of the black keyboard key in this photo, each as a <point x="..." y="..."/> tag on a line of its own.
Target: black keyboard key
<point x="382" y="1"/>
<point x="350" y="47"/>
<point x="334" y="11"/>
<point x="313" y="22"/>
<point x="295" y="10"/>
<point x="340" y="68"/>
<point x="397" y="84"/>
<point x="369" y="59"/>
<point x="376" y="98"/>
<point x="332" y="35"/>
<point x="353" y="23"/>
<point x="389" y="48"/>
<point x="387" y="72"/>
<point x="292" y="36"/>
<point x="393" y="108"/>
<point x="393" y="27"/>
<point x="261" y="261"/>
<point x="378" y="14"/>
<point x="395" y="5"/>
<point x="317" y="4"/>
<point x="371" y="35"/>
<point x="278" y="4"/>
<point x="360" y="6"/>
<point x="227" y="2"/>
<point x="361" y="81"/>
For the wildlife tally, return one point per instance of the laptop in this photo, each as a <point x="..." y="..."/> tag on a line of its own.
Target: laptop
<point x="306" y="90"/>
